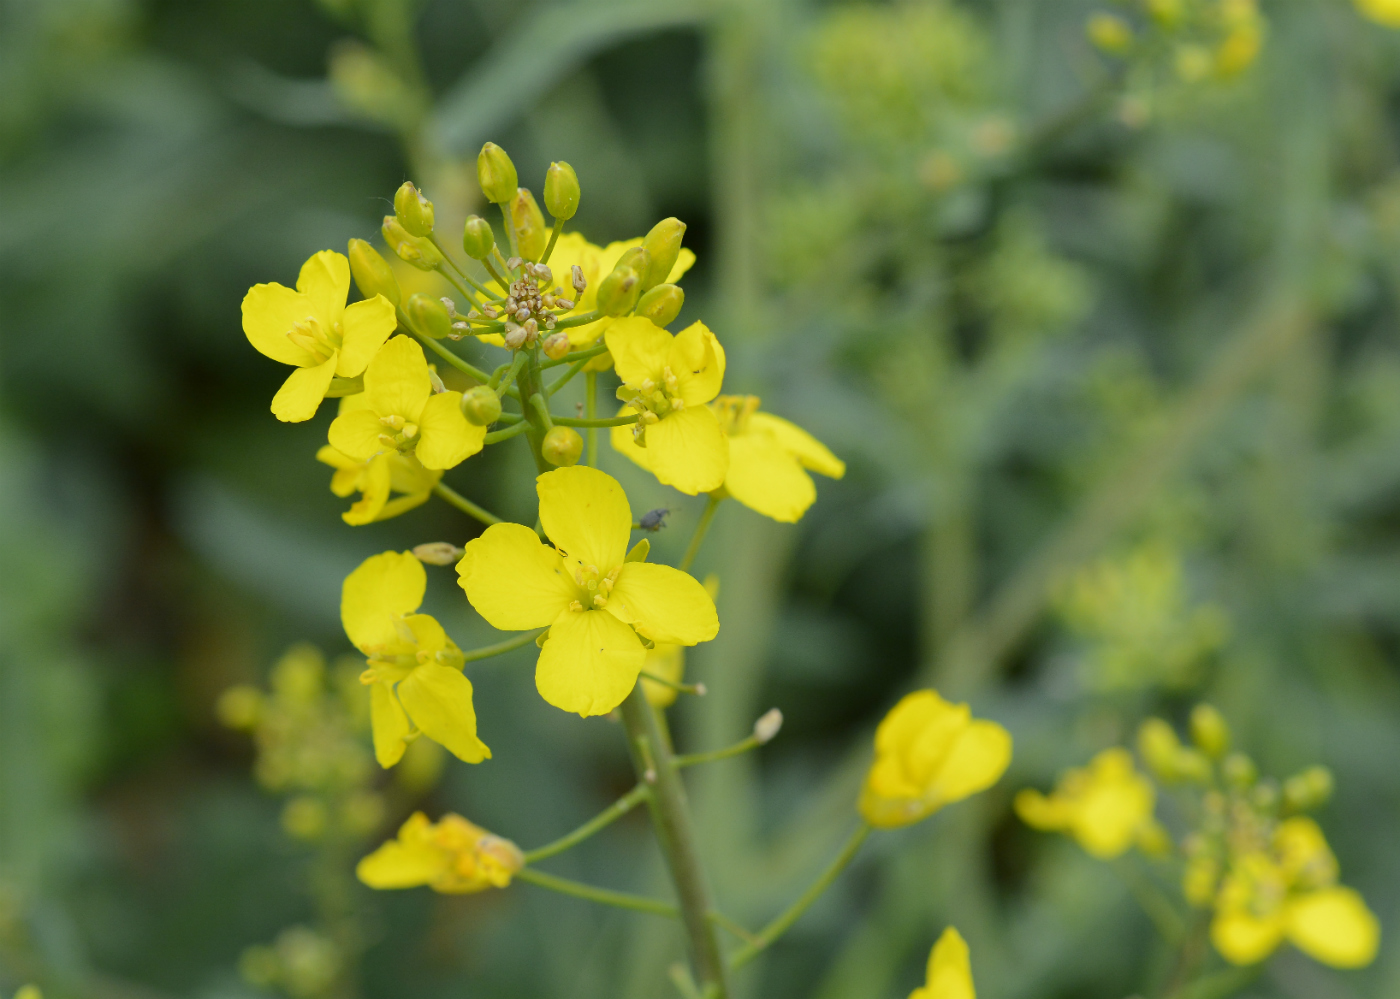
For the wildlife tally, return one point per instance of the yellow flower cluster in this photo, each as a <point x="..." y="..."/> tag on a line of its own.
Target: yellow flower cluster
<point x="1107" y="807"/>
<point x="1206" y="38"/>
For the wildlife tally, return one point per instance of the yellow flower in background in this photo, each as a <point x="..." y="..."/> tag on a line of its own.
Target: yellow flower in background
<point x="1107" y="806"/>
<point x="1244" y="37"/>
<point x="929" y="753"/>
<point x="667" y="662"/>
<point x="949" y="970"/>
<point x="376" y="479"/>
<point x="401" y="413"/>
<point x="597" y="606"/>
<point x="769" y="459"/>
<point x="415" y="670"/>
<point x="1289" y="892"/>
<point x="667" y="380"/>
<point x="312" y="329"/>
<point x="452" y="856"/>
<point x="1386" y="12"/>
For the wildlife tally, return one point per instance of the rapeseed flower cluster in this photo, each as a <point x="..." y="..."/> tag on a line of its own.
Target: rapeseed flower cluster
<point x="1206" y="39"/>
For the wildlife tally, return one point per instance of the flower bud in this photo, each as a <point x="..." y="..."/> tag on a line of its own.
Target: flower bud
<point x="617" y="292"/>
<point x="1308" y="790"/>
<point x="1209" y="731"/>
<point x="562" y="446"/>
<point x="531" y="236"/>
<point x="561" y="191"/>
<point x="414" y="212"/>
<point x="663" y="245"/>
<point x="636" y="258"/>
<point x="240" y="706"/>
<point x="410" y="249"/>
<point x="661" y="304"/>
<point x="577" y="279"/>
<point x="372" y="273"/>
<point x="1159" y="746"/>
<point x="1110" y="34"/>
<point x="1191" y="765"/>
<point x="478" y="237"/>
<point x="767" y="726"/>
<point x="1239" y="771"/>
<point x="556" y="346"/>
<point x="428" y="315"/>
<point x="481" y="405"/>
<point x="438" y="552"/>
<point x="496" y="174"/>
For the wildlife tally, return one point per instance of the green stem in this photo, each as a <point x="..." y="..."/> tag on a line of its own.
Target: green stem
<point x="553" y="238"/>
<point x="614" y="421"/>
<point x="1219" y="984"/>
<point x="505" y="285"/>
<point x="466" y="505"/>
<point x="496" y="436"/>
<point x="515" y="365"/>
<point x="590" y="403"/>
<point x="765" y="937"/>
<point x="739" y="748"/>
<point x="510" y="228"/>
<point x="459" y="286"/>
<point x="499" y="648"/>
<point x="528" y="385"/>
<point x="583" y="320"/>
<point x="697" y="689"/>
<point x="538" y="404"/>
<point x="1154" y="902"/>
<point x="577" y="355"/>
<point x="605" y="896"/>
<point x="711" y="505"/>
<point x="603" y="819"/>
<point x="453" y="359"/>
<point x="564" y="379"/>
<point x="724" y="922"/>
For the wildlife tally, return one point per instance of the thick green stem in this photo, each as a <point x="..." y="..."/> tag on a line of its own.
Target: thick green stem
<point x="711" y="505"/>
<point x="529" y="385"/>
<point x="606" y="896"/>
<point x="466" y="505"/>
<point x="675" y="831"/>
<point x="605" y="818"/>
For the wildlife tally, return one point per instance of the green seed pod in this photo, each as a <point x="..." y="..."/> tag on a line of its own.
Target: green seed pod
<point x="481" y="405"/>
<point x="372" y="273"/>
<point x="414" y="212"/>
<point x="428" y="315"/>
<point x="531" y="236"/>
<point x="410" y="249"/>
<point x="562" y="446"/>
<point x="496" y="174"/>
<point x="1209" y="731"/>
<point x="663" y="243"/>
<point x="617" y="292"/>
<point x="478" y="237"/>
<point x="561" y="191"/>
<point x="662" y="304"/>
<point x="1159" y="748"/>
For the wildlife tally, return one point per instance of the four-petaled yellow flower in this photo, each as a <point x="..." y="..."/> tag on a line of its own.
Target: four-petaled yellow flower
<point x="598" y="606"/>
<point x="376" y="479"/>
<point x="312" y="328"/>
<point x="400" y="412"/>
<point x="1106" y="806"/>
<point x="1386" y="12"/>
<point x="949" y="970"/>
<point x="414" y="670"/>
<point x="929" y="753"/>
<point x="452" y="856"/>
<point x="1288" y="891"/>
<point x="769" y="459"/>
<point x="667" y="380"/>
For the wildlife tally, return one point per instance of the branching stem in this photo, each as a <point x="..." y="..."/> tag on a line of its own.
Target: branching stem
<point x="605" y="896"/>
<point x="603" y="819"/>
<point x="466" y="505"/>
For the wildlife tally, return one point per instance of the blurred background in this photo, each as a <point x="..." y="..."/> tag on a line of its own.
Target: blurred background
<point x="1109" y="344"/>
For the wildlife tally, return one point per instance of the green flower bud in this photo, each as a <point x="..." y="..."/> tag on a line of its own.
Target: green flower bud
<point x="414" y="212"/>
<point x="1239" y="770"/>
<point x="1308" y="790"/>
<point x="1110" y="34"/>
<point x="662" y="304"/>
<point x="428" y="315"/>
<point x="372" y="273"/>
<point x="561" y="191"/>
<point x="1191" y="765"/>
<point x="496" y="174"/>
<point x="562" y="446"/>
<point x="1159" y="746"/>
<point x="636" y="258"/>
<point x="481" y="405"/>
<point x="663" y="243"/>
<point x="478" y="237"/>
<point x="1209" y="731"/>
<point x="531" y="236"/>
<point x="617" y="292"/>
<point x="410" y="249"/>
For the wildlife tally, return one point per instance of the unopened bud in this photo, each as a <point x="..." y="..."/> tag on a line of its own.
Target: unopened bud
<point x="561" y="191"/>
<point x="478" y="238"/>
<point x="1308" y="790"/>
<point x="579" y="281"/>
<point x="556" y="346"/>
<point x="438" y="553"/>
<point x="562" y="446"/>
<point x="1209" y="731"/>
<point x="767" y="726"/>
<point x="1110" y="34"/>
<point x="617" y="292"/>
<point x="663" y="245"/>
<point x="372" y="273"/>
<point x="514" y="336"/>
<point x="1265" y="795"/>
<point x="661" y="304"/>
<point x="1159" y="746"/>
<point x="481" y="405"/>
<point x="240" y="706"/>
<point x="414" y="212"/>
<point x="1191" y="765"/>
<point x="428" y="315"/>
<point x="531" y="236"/>
<point x="1239" y="771"/>
<point x="496" y="174"/>
<point x="410" y="249"/>
<point x="636" y="258"/>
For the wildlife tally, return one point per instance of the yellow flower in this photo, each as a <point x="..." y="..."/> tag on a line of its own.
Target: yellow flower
<point x="401" y="413"/>
<point x="415" y="670"/>
<point x="454" y="857"/>
<point x="1106" y="806"/>
<point x="597" y="263"/>
<point x="949" y="970"/>
<point x="929" y="753"/>
<point x="668" y="379"/>
<point x="376" y="479"/>
<point x="313" y="329"/>
<point x="769" y="459"/>
<point x="1386" y="12"/>
<point x="1289" y="892"/>
<point x="597" y="606"/>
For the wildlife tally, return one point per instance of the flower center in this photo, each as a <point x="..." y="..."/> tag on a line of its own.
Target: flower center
<point x="398" y="434"/>
<point x="315" y="339"/>
<point x="734" y="412"/>
<point x="594" y="587"/>
<point x="652" y="399"/>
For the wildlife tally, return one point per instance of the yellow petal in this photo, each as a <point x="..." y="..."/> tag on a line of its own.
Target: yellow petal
<point x="976" y="761"/>
<point x="367" y="325"/>
<point x="689" y="450"/>
<point x="949" y="969"/>
<point x="624" y="443"/>
<point x="406" y="862"/>
<point x="663" y="604"/>
<point x="589" y="664"/>
<point x="586" y="515"/>
<point x="1110" y="813"/>
<point x="640" y="349"/>
<point x="1335" y="927"/>
<point x="383" y="587"/>
<point x="301" y="394"/>
<point x="1386" y="12"/>
<point x="1040" y="812"/>
<point x="1243" y="939"/>
<point x="269" y="312"/>
<point x="807" y="449"/>
<point x="338" y="460"/>
<point x="389" y="723"/>
<point x="767" y="478"/>
<point x="325" y="280"/>
<point x="513" y="580"/>
<point x="439" y="700"/>
<point x="396" y="380"/>
<point x="697" y="361"/>
<point x="684" y="262"/>
<point x="445" y="437"/>
<point x="409" y="475"/>
<point x="375" y="486"/>
<point x="402" y="504"/>
<point x="356" y="434"/>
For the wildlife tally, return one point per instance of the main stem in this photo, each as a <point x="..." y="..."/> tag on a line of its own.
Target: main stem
<point x="675" y="831"/>
<point x="529" y="382"/>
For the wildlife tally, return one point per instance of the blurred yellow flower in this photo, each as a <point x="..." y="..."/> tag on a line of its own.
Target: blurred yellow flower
<point x="377" y="478"/>
<point x="415" y="670"/>
<point x="667" y="662"/>
<point x="667" y="380"/>
<point x="1106" y="806"/>
<point x="1386" y="12"/>
<point x="949" y="970"/>
<point x="929" y="753"/>
<point x="401" y="413"/>
<point x="597" y="606"/>
<point x="452" y="856"/>
<point x="769" y="459"/>
<point x="312" y="329"/>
